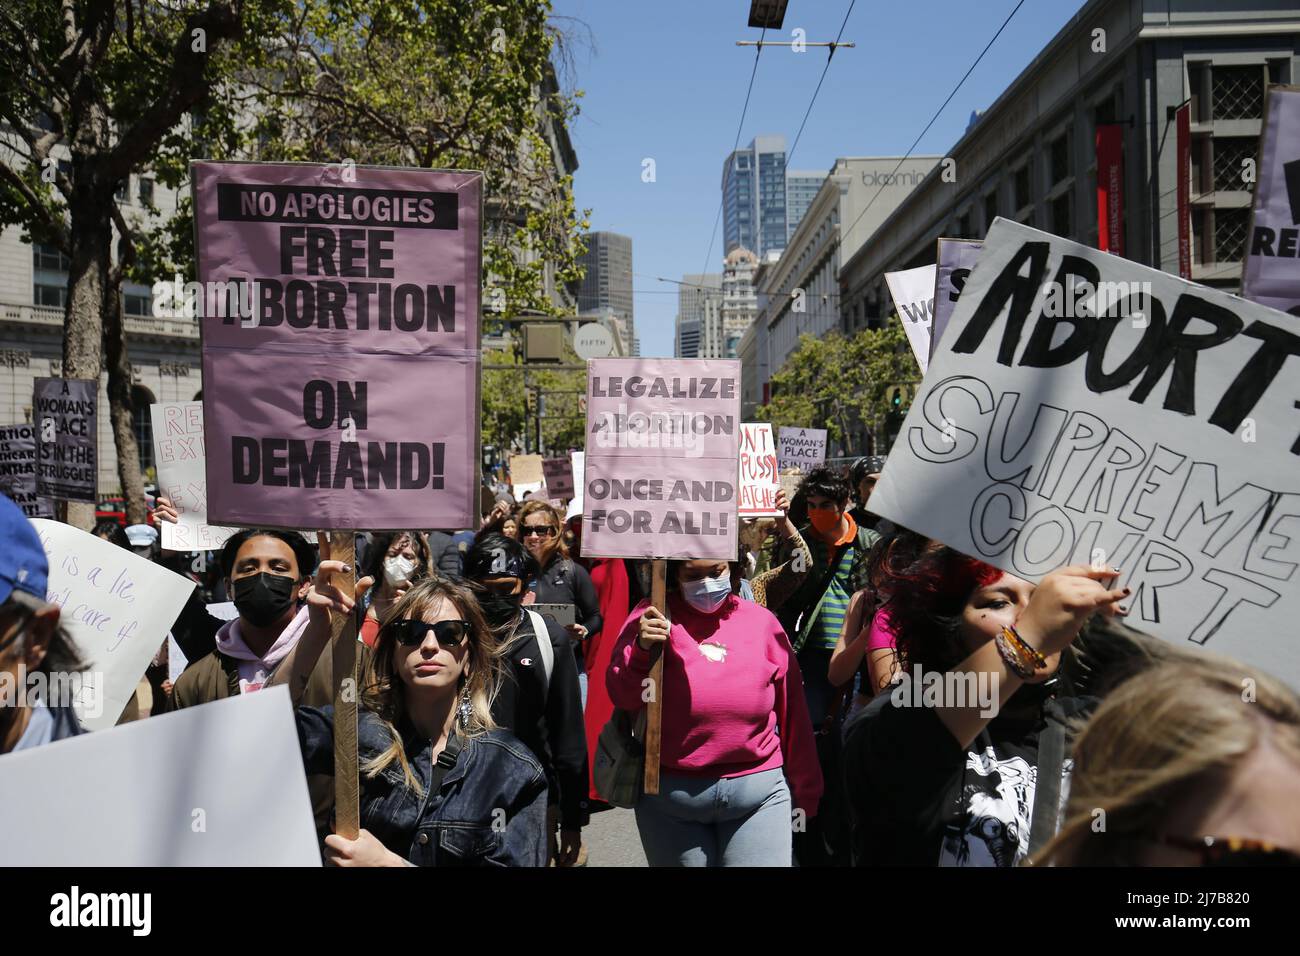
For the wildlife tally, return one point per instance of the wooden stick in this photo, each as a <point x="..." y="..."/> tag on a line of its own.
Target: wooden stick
<point x="655" y="711"/>
<point x="343" y="641"/>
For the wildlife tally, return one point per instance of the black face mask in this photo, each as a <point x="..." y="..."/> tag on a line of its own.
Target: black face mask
<point x="263" y="598"/>
<point x="500" y="609"/>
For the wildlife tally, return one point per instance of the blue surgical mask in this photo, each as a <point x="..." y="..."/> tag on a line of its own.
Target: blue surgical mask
<point x="707" y="594"/>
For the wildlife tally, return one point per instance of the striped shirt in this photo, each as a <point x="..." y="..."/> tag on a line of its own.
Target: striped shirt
<point x="830" y="620"/>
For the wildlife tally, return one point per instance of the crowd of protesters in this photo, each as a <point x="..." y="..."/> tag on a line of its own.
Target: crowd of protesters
<point x="845" y="692"/>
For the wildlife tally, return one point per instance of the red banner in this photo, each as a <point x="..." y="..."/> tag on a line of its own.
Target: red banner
<point x="1184" y="122"/>
<point x="1110" y="188"/>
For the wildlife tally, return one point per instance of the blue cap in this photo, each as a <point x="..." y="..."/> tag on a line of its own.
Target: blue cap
<point x="23" y="566"/>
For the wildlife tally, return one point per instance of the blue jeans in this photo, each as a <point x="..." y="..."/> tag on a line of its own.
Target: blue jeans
<point x="582" y="688"/>
<point x="711" y="821"/>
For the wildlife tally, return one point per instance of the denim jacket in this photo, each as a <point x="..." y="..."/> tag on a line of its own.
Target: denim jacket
<point x="489" y="811"/>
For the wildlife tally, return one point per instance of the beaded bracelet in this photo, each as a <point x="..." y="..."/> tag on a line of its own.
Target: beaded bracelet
<point x="1011" y="656"/>
<point x="1024" y="651"/>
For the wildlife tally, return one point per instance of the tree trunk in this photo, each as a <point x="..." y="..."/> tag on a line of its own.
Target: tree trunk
<point x="121" y="409"/>
<point x="92" y="234"/>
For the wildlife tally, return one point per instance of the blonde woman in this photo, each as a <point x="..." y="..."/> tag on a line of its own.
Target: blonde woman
<point x="1193" y="761"/>
<point x="425" y="729"/>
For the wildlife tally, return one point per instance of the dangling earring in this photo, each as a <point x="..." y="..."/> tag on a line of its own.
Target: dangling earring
<point x="464" y="708"/>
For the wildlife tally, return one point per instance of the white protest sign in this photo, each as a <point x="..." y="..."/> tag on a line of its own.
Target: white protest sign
<point x="235" y="794"/>
<point x="759" y="479"/>
<point x="117" y="606"/>
<point x="802" y="448"/>
<point x="913" y="294"/>
<point x="182" y="477"/>
<point x="175" y="659"/>
<point x="1160" y="439"/>
<point x="1271" y="271"/>
<point x="957" y="258"/>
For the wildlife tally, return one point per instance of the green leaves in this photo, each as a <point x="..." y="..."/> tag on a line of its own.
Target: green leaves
<point x="839" y="383"/>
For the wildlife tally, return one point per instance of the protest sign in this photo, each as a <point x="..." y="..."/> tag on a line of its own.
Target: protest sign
<point x="802" y="448"/>
<point x="117" y="606"/>
<point x="579" y="461"/>
<point x="175" y="659"/>
<point x="235" y="794"/>
<point x="957" y="258"/>
<point x="913" y="294"/>
<point x="759" y="482"/>
<point x="18" y="470"/>
<point x="340" y="305"/>
<point x="1160" y="438"/>
<point x="559" y="478"/>
<point x="1271" y="270"/>
<point x="63" y="410"/>
<point x="526" y="471"/>
<point x="660" y="468"/>
<point x="182" y="477"/>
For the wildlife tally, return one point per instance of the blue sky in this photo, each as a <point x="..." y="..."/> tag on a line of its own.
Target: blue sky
<point x="663" y="79"/>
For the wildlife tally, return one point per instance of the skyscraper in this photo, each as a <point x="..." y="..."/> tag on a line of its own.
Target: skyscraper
<point x="800" y="190"/>
<point x="739" y="302"/>
<point x="754" y="197"/>
<point x="699" y="305"/>
<point x="608" y="281"/>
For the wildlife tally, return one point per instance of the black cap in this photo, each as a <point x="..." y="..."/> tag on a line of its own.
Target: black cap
<point x="497" y="556"/>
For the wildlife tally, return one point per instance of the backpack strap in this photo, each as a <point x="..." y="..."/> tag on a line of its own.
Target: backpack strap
<point x="1047" y="792"/>
<point x="543" y="635"/>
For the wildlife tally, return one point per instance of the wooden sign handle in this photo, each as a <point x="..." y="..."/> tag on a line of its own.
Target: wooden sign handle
<point x="655" y="711"/>
<point x="343" y="643"/>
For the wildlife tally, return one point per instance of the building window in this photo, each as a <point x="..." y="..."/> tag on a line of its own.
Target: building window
<point x="1022" y="191"/>
<point x="136" y="304"/>
<point x="964" y="230"/>
<point x="123" y="193"/>
<point x="1237" y="92"/>
<point x="50" y="296"/>
<point x="1059" y="158"/>
<point x="1230" y="227"/>
<point x="142" y="424"/>
<point x="990" y="209"/>
<point x="146" y="192"/>
<point x="1062" y="224"/>
<point x="49" y="258"/>
<point x="1229" y="154"/>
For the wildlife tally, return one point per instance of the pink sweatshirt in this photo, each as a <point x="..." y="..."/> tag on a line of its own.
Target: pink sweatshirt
<point x="733" y="695"/>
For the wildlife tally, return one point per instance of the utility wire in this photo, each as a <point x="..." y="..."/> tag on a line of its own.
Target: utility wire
<point x="933" y="119"/>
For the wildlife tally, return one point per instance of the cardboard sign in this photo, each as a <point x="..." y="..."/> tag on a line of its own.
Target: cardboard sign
<point x="64" y="412"/>
<point x="18" y="470"/>
<point x="913" y="294"/>
<point x="175" y="659"/>
<point x="526" y="470"/>
<point x="363" y="317"/>
<point x="183" y="478"/>
<point x="236" y="794"/>
<point x="663" y="436"/>
<point x="957" y="258"/>
<point x="1161" y="439"/>
<point x="559" y="478"/>
<point x="117" y="606"/>
<point x="759" y="480"/>
<point x="802" y="448"/>
<point x="1271" y="272"/>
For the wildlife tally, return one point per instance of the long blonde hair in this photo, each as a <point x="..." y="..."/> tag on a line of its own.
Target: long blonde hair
<point x="1182" y="720"/>
<point x="384" y="693"/>
<point x="555" y="544"/>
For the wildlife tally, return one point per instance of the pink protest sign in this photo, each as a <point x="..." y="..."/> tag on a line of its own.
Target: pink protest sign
<point x="339" y="305"/>
<point x="662" y="445"/>
<point x="759" y="479"/>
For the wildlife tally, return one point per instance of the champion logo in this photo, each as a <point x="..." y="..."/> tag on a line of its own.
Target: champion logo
<point x="527" y="662"/>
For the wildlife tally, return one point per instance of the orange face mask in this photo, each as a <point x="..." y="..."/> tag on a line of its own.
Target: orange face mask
<point x="824" y="521"/>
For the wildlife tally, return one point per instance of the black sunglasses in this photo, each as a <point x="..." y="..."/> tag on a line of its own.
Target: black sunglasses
<point x="412" y="633"/>
<point x="544" y="530"/>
